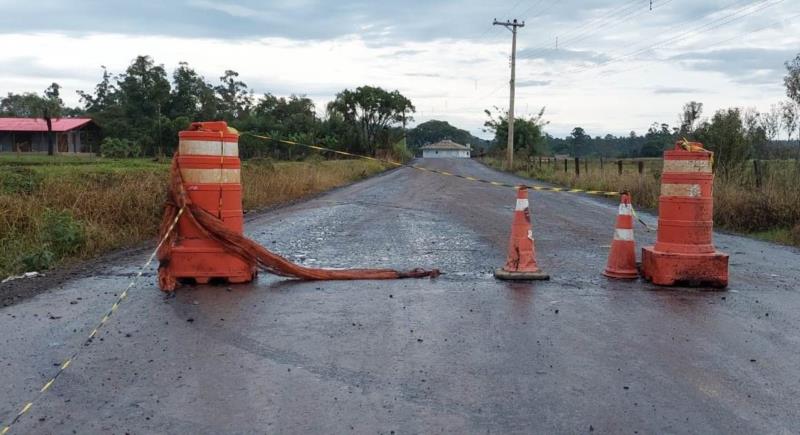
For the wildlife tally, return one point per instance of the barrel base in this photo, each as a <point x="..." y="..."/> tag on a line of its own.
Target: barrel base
<point x="520" y="276"/>
<point x="693" y="270"/>
<point x="203" y="264"/>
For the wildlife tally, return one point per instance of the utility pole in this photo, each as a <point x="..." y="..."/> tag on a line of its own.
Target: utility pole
<point x="512" y="26"/>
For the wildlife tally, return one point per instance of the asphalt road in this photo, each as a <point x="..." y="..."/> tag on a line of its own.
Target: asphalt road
<point x="462" y="353"/>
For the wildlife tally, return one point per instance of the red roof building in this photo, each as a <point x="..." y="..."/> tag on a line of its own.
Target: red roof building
<point x="72" y="135"/>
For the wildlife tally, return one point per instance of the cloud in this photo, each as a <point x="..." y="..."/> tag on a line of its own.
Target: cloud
<point x="678" y="90"/>
<point x="445" y="55"/>
<point x="563" y="55"/>
<point x="407" y="52"/>
<point x="743" y="65"/>
<point x="430" y="75"/>
<point x="533" y="83"/>
<point x="233" y="10"/>
<point x="32" y="67"/>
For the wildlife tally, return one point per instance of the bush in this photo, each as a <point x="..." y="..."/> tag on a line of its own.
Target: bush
<point x="19" y="180"/>
<point x="401" y="152"/>
<point x="39" y="260"/>
<point x="119" y="148"/>
<point x="62" y="234"/>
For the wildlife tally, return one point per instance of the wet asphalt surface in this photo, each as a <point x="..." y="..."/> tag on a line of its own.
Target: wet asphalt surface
<point x="462" y="353"/>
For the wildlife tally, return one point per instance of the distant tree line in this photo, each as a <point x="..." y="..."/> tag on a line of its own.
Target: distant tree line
<point x="734" y="134"/>
<point x="141" y="111"/>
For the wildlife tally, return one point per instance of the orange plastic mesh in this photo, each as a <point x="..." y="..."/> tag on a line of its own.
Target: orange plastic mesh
<point x="248" y="250"/>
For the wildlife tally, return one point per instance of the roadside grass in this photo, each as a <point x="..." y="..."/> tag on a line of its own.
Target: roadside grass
<point x="54" y="210"/>
<point x="769" y="212"/>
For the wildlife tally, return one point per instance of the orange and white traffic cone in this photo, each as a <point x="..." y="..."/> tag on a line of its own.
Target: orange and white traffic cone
<point x="521" y="263"/>
<point x="622" y="257"/>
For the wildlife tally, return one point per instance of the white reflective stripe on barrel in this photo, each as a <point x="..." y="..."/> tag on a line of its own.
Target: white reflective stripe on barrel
<point x="211" y="176"/>
<point x="522" y="204"/>
<point x="208" y="148"/>
<point x="687" y="166"/>
<point x="625" y="235"/>
<point x="625" y="210"/>
<point x="689" y="190"/>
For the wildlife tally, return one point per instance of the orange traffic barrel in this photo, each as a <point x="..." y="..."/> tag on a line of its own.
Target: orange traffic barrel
<point x="684" y="252"/>
<point x="208" y="158"/>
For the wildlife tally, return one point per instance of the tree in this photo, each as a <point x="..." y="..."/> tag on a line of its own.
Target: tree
<point x="19" y="105"/>
<point x="49" y="107"/>
<point x="792" y="80"/>
<point x="755" y="134"/>
<point x="687" y="119"/>
<point x="371" y="111"/>
<point x="789" y="118"/>
<point x="288" y="116"/>
<point x="771" y="122"/>
<point x="578" y="141"/>
<point x="105" y="95"/>
<point x="235" y="100"/>
<point x="191" y="96"/>
<point x="433" y="131"/>
<point x="528" y="131"/>
<point x="726" y="136"/>
<point x="144" y="92"/>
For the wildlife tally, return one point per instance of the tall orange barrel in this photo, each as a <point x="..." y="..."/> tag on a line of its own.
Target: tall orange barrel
<point x="684" y="251"/>
<point x="208" y="158"/>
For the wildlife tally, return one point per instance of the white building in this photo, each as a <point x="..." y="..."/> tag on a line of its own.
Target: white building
<point x="445" y="149"/>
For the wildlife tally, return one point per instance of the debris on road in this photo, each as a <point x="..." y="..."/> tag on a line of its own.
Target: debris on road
<point x="23" y="276"/>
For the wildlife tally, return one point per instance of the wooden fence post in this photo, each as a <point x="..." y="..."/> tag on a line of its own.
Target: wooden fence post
<point x="565" y="165"/>
<point x="577" y="166"/>
<point x="586" y="166"/>
<point x="619" y="167"/>
<point x="601" y="164"/>
<point x="641" y="167"/>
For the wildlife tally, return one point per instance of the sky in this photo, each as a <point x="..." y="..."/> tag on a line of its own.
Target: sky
<point x="617" y="67"/>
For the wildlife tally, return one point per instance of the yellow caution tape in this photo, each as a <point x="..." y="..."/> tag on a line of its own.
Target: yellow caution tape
<point x="102" y="322"/>
<point x="436" y="171"/>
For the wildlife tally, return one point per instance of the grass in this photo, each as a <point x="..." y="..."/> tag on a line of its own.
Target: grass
<point x="56" y="210"/>
<point x="769" y="212"/>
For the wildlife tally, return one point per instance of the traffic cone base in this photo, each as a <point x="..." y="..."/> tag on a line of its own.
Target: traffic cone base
<point x="621" y="275"/>
<point x="521" y="262"/>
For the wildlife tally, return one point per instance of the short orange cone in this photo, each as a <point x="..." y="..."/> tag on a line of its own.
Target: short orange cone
<point x="521" y="263"/>
<point x="622" y="257"/>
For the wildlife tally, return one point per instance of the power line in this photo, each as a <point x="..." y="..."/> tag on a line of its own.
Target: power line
<point x="714" y="44"/>
<point x="574" y="31"/>
<point x="714" y="24"/>
<point x="609" y="23"/>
